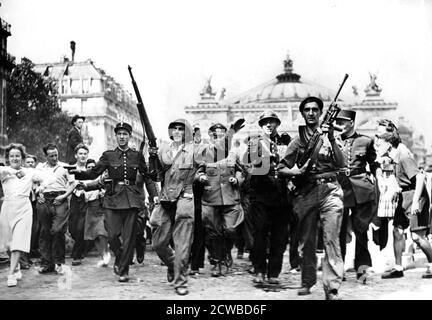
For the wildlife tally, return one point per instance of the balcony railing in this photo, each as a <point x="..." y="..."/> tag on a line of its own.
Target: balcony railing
<point x="4" y="25"/>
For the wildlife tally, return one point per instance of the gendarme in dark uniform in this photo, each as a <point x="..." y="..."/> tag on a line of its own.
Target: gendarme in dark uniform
<point x="358" y="187"/>
<point x="123" y="198"/>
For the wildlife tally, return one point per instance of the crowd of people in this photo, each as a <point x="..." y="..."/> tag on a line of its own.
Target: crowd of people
<point x="194" y="194"/>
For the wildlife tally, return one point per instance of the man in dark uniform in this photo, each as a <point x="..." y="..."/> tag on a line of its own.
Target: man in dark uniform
<point x="123" y="198"/>
<point x="358" y="187"/>
<point x="74" y="138"/>
<point x="269" y="210"/>
<point x="318" y="195"/>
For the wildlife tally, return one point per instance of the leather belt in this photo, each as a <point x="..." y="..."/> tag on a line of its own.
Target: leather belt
<point x="53" y="194"/>
<point x="404" y="189"/>
<point x="353" y="172"/>
<point x="124" y="182"/>
<point x="319" y="181"/>
<point x="322" y="179"/>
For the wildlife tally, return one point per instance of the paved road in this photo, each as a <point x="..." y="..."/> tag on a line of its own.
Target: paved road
<point x="148" y="281"/>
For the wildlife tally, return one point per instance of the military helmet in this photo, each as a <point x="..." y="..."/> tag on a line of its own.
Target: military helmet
<point x="186" y="124"/>
<point x="268" y="114"/>
<point x="213" y="127"/>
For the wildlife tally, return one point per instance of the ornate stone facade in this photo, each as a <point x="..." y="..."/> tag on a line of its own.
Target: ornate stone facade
<point x="283" y="94"/>
<point x="87" y="90"/>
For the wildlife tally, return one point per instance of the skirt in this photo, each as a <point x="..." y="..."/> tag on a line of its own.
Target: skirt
<point x="95" y="221"/>
<point x="16" y="218"/>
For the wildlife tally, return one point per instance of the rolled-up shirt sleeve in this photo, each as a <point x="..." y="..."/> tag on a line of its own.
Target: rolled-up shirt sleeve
<point x="291" y="154"/>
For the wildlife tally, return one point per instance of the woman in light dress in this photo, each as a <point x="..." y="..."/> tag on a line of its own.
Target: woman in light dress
<point x="16" y="213"/>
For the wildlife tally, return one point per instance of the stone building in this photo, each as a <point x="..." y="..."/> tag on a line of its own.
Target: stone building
<point x="283" y="94"/>
<point x="7" y="63"/>
<point x="87" y="90"/>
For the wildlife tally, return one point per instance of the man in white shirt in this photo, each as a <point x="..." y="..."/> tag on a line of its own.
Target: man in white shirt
<point x="52" y="209"/>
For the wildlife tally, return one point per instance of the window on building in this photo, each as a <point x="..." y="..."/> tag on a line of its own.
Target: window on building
<point x="86" y="86"/>
<point x="75" y="86"/>
<point x="64" y="86"/>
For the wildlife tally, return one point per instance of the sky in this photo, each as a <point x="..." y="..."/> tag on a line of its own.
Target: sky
<point x="174" y="46"/>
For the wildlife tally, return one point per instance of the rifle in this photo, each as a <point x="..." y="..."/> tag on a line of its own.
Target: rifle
<point x="315" y="142"/>
<point x="147" y="128"/>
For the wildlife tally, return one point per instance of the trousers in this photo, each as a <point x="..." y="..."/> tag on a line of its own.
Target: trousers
<point x="122" y="223"/>
<point x="322" y="202"/>
<point x="270" y="234"/>
<point x="77" y="216"/>
<point x="174" y="220"/>
<point x="362" y="255"/>
<point x="53" y="221"/>
<point x="220" y="223"/>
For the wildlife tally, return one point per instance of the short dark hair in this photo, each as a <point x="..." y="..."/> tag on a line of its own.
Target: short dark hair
<point x="90" y="161"/>
<point x="49" y="146"/>
<point x="391" y="137"/>
<point x="81" y="146"/>
<point x="318" y="101"/>
<point x="16" y="146"/>
<point x="32" y="156"/>
<point x="390" y="126"/>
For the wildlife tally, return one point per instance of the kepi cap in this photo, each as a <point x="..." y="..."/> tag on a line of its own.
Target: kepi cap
<point x="346" y="115"/>
<point x="124" y="126"/>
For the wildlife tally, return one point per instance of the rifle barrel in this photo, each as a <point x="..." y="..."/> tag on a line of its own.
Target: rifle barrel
<point x="340" y="88"/>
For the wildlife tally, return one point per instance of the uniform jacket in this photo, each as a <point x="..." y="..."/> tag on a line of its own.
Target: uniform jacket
<point x="122" y="166"/>
<point x="262" y="158"/>
<point x="359" y="151"/>
<point x="74" y="138"/>
<point x="219" y="191"/>
<point x="179" y="167"/>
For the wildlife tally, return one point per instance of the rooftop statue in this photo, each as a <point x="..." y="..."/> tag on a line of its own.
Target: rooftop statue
<point x="222" y="94"/>
<point x="288" y="64"/>
<point x="373" y="85"/>
<point x="208" y="90"/>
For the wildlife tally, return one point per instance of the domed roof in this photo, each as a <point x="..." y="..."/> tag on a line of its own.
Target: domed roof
<point x="285" y="87"/>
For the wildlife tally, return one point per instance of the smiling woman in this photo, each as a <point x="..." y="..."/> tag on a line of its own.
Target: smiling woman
<point x="16" y="212"/>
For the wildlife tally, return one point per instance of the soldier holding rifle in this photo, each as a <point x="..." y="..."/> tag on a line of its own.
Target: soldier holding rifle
<point x="318" y="194"/>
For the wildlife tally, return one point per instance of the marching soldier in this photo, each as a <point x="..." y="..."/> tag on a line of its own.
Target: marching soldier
<point x="123" y="198"/>
<point x="318" y="196"/>
<point x="268" y="199"/>
<point x="358" y="187"/>
<point x="173" y="218"/>
<point x="221" y="176"/>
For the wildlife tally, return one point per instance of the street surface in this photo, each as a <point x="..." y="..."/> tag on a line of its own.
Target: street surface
<point x="148" y="281"/>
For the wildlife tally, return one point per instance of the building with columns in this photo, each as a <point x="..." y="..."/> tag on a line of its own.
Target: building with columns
<point x="87" y="90"/>
<point x="284" y="93"/>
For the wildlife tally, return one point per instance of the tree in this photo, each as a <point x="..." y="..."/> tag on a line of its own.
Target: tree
<point x="34" y="116"/>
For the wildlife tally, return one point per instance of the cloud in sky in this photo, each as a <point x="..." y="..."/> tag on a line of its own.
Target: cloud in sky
<point x="173" y="46"/>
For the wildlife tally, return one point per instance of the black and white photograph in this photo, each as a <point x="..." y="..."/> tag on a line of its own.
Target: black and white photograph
<point x="236" y="152"/>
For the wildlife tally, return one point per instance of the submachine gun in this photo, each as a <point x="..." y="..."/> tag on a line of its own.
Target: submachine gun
<point x="315" y="143"/>
<point x="147" y="129"/>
